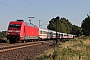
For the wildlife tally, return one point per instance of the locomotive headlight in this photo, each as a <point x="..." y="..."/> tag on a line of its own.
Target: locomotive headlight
<point x="17" y="31"/>
<point x="10" y="31"/>
<point x="20" y="36"/>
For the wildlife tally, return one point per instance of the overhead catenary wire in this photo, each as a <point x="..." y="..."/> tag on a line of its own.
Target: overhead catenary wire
<point x="13" y="8"/>
<point x="23" y="12"/>
<point x="17" y="6"/>
<point x="41" y="7"/>
<point x="44" y="10"/>
<point x="37" y="10"/>
<point x="20" y="8"/>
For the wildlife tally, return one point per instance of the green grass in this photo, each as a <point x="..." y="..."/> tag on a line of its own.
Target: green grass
<point x="75" y="49"/>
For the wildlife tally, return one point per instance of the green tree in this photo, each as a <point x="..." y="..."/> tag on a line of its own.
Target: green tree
<point x="62" y="25"/>
<point x="76" y="30"/>
<point x="3" y="33"/>
<point x="65" y="25"/>
<point x="52" y="25"/>
<point x="85" y="26"/>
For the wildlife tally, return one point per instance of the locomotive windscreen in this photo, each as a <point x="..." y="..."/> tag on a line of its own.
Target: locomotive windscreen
<point x="14" y="26"/>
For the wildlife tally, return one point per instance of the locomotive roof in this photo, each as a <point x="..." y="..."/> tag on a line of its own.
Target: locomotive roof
<point x="25" y="23"/>
<point x="30" y="24"/>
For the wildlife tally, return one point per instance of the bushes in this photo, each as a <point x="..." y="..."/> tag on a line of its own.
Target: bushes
<point x="2" y="34"/>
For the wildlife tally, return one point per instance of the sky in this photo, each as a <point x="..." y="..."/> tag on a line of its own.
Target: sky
<point x="73" y="10"/>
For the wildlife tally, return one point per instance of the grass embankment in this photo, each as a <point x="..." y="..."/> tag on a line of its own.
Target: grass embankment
<point x="75" y="49"/>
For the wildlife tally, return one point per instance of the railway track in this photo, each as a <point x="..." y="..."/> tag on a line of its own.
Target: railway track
<point x="8" y="47"/>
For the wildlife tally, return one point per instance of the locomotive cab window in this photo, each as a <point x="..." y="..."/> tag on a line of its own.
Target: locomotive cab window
<point x="14" y="26"/>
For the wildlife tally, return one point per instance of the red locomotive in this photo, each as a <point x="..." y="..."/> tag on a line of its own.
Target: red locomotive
<point x="21" y="31"/>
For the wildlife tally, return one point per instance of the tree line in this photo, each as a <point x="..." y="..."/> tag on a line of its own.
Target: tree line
<point x="64" y="26"/>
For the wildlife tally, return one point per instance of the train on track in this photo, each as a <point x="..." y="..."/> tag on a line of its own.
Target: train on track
<point x="21" y="31"/>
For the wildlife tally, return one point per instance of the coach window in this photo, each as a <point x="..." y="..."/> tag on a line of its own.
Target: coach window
<point x="48" y="32"/>
<point x="54" y="33"/>
<point x="40" y="32"/>
<point x="44" y="32"/>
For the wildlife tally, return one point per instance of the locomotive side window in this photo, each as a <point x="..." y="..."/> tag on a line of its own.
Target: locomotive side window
<point x="14" y="26"/>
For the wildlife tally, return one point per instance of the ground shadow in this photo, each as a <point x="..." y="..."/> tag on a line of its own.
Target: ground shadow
<point x="2" y="41"/>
